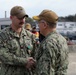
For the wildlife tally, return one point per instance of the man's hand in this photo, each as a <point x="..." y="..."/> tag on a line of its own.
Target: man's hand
<point x="31" y="63"/>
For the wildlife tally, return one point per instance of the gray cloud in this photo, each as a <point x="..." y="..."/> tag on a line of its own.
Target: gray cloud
<point x="34" y="7"/>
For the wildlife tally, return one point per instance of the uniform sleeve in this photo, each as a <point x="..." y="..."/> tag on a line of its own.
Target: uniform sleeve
<point x="59" y="57"/>
<point x="51" y="62"/>
<point x="43" y="66"/>
<point x="9" y="58"/>
<point x="43" y="61"/>
<point x="34" y="45"/>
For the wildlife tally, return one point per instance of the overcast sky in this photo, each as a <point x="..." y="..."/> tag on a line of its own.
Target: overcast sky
<point x="34" y="7"/>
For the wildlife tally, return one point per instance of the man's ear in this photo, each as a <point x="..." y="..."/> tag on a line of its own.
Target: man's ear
<point x="45" y="25"/>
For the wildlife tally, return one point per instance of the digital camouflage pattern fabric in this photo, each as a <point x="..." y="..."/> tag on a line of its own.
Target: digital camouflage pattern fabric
<point x="14" y="50"/>
<point x="52" y="55"/>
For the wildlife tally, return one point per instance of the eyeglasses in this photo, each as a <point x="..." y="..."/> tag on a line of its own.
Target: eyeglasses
<point x="41" y="21"/>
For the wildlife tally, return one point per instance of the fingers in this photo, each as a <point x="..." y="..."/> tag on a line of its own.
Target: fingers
<point x="31" y="63"/>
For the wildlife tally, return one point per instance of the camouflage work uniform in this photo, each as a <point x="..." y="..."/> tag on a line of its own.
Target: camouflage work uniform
<point x="14" y="50"/>
<point x="52" y="55"/>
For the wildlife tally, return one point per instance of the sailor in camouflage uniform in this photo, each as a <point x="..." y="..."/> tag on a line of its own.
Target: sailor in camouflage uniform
<point x="16" y="45"/>
<point x="52" y="54"/>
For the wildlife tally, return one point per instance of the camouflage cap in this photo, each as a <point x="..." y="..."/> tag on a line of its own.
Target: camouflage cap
<point x="47" y="15"/>
<point x="18" y="11"/>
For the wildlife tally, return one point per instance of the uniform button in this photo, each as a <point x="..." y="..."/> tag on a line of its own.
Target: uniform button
<point x="21" y="47"/>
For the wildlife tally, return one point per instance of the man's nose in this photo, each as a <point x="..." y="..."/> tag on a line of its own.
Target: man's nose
<point x="22" y="20"/>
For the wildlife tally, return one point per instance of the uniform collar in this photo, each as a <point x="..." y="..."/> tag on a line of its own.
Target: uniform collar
<point x="53" y="32"/>
<point x="13" y="33"/>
